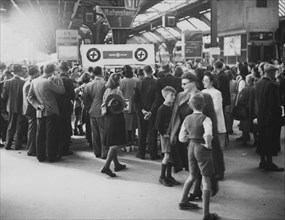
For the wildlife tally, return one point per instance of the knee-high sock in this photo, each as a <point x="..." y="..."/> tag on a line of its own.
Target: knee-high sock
<point x="206" y="201"/>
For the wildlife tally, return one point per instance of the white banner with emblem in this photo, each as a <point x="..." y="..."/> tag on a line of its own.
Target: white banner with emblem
<point x="117" y="54"/>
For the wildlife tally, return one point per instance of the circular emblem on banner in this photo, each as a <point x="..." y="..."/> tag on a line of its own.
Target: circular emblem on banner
<point x="93" y="55"/>
<point x="141" y="54"/>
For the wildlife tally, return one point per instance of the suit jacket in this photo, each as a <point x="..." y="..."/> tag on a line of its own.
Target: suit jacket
<point x="12" y="94"/>
<point x="146" y="95"/>
<point x="168" y="80"/>
<point x="28" y="109"/>
<point x="94" y="94"/>
<point x="64" y="100"/>
<point x="43" y="92"/>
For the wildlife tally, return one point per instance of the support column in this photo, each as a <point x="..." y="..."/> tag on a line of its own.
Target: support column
<point x="214" y="25"/>
<point x="120" y="36"/>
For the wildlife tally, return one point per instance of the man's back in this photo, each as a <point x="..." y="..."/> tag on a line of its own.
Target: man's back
<point x="12" y="93"/>
<point x="45" y="89"/>
<point x="95" y="91"/>
<point x="145" y="96"/>
<point x="267" y="98"/>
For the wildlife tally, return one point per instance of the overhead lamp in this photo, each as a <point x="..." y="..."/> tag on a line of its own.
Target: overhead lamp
<point x="133" y="4"/>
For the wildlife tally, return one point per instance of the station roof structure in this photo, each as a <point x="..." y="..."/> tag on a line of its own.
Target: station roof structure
<point x="39" y="19"/>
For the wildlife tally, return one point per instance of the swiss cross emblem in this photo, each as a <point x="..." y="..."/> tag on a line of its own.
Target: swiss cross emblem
<point x="141" y="54"/>
<point x="93" y="55"/>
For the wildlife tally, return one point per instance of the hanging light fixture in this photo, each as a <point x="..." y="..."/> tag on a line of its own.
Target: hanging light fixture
<point x="133" y="4"/>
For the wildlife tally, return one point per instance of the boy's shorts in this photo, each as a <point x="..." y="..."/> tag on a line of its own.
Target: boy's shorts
<point x="165" y="144"/>
<point x="200" y="159"/>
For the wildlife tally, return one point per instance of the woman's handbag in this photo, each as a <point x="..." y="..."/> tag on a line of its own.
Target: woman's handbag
<point x="241" y="112"/>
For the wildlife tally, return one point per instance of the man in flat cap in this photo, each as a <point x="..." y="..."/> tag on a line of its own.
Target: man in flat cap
<point x="268" y="119"/>
<point x="12" y="94"/>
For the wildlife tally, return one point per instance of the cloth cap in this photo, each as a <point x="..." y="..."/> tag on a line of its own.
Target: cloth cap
<point x="269" y="67"/>
<point x="115" y="104"/>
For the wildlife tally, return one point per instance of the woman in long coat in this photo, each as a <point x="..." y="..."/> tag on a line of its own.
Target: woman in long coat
<point x="127" y="87"/>
<point x="114" y="123"/>
<point x="269" y="119"/>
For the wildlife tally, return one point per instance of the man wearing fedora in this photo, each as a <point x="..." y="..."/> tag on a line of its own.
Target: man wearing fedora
<point x="12" y="94"/>
<point x="65" y="110"/>
<point x="268" y="119"/>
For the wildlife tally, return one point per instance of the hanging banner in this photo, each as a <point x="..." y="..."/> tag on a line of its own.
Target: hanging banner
<point x="67" y="44"/>
<point x="192" y="44"/>
<point x="119" y="17"/>
<point x="117" y="54"/>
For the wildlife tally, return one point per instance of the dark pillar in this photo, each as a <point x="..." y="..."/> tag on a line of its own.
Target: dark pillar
<point x="214" y="25"/>
<point x="120" y="36"/>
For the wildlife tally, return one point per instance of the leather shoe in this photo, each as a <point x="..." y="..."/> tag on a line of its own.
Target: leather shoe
<point x="164" y="182"/>
<point x="120" y="167"/>
<point x="173" y="181"/>
<point x="8" y="148"/>
<point x="211" y="216"/>
<point x="187" y="205"/>
<point x="193" y="196"/>
<point x="262" y="165"/>
<point x="273" y="167"/>
<point x="31" y="154"/>
<point x="108" y="172"/>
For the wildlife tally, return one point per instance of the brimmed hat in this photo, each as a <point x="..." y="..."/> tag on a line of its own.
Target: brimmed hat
<point x="17" y="68"/>
<point x="269" y="67"/>
<point x="115" y="104"/>
<point x="33" y="70"/>
<point x="63" y="66"/>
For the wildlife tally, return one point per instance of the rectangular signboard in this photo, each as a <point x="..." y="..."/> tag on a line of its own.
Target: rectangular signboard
<point x="119" y="17"/>
<point x="232" y="45"/>
<point x="67" y="37"/>
<point x="192" y="44"/>
<point x="117" y="54"/>
<point x="68" y="52"/>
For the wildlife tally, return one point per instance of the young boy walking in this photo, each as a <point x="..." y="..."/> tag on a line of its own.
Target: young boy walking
<point x="197" y="130"/>
<point x="162" y="123"/>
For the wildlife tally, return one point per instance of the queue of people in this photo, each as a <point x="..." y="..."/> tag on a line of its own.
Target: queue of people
<point x="185" y="112"/>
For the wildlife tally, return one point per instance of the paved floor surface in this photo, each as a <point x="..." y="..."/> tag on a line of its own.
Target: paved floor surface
<point x="75" y="189"/>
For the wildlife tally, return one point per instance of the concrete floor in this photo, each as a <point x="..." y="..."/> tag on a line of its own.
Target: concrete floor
<point x="75" y="189"/>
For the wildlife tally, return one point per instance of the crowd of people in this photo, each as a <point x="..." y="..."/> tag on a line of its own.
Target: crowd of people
<point x="183" y="113"/>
